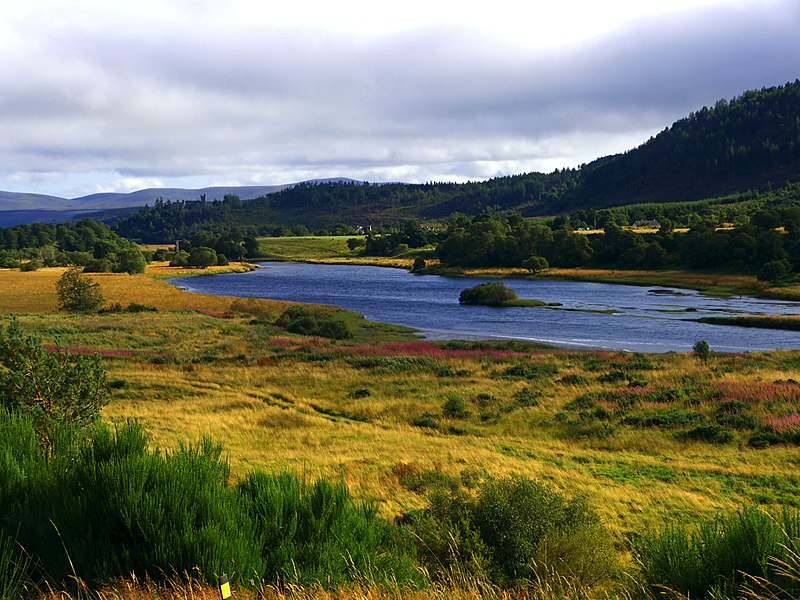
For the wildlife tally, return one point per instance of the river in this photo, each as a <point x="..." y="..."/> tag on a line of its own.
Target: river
<point x="591" y="315"/>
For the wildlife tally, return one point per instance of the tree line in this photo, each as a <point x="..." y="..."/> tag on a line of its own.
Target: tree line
<point x="87" y="243"/>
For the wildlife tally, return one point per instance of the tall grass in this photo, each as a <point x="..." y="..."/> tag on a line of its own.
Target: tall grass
<point x="715" y="560"/>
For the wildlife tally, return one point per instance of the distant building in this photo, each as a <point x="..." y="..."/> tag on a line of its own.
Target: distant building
<point x="644" y="223"/>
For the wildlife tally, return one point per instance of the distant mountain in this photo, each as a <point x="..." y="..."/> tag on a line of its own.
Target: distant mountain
<point x="20" y="207"/>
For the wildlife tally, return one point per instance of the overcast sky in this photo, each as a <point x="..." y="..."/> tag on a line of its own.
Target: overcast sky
<point x="121" y="95"/>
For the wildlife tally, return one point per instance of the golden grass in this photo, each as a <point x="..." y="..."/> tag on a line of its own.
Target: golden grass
<point x="35" y="292"/>
<point x="254" y="389"/>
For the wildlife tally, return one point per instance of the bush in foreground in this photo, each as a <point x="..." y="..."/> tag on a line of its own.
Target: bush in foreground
<point x="515" y="532"/>
<point x="108" y="507"/>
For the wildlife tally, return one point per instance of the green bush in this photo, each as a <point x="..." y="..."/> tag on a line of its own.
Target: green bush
<point x="53" y="388"/>
<point x="455" y="407"/>
<point x="515" y="531"/>
<point x="305" y="321"/>
<point x="78" y="294"/>
<point x="108" y="507"/>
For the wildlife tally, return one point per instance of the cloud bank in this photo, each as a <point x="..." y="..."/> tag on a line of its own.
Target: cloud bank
<point x="185" y="94"/>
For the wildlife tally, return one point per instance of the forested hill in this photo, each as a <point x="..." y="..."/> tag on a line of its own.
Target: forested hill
<point x="749" y="143"/>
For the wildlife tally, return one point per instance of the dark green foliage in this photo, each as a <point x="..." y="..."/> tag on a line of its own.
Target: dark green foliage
<point x="31" y="265"/>
<point x="527" y="397"/>
<point x="712" y="561"/>
<point x="78" y="294"/>
<point x="701" y="350"/>
<point x="455" y="407"/>
<point x="108" y="507"/>
<point x="531" y="370"/>
<point x="514" y="531"/>
<point x="202" y="257"/>
<point x="307" y="321"/>
<point x="54" y="388"/>
<point x="488" y="294"/>
<point x="315" y="533"/>
<point x="774" y="271"/>
<point x="765" y="439"/>
<point x="709" y="432"/>
<point x="130" y="260"/>
<point x="426" y="420"/>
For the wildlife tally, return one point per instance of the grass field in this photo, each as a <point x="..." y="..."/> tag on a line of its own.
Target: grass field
<point x="623" y="430"/>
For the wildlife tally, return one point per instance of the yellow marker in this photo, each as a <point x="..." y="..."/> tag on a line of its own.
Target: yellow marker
<point x="224" y="587"/>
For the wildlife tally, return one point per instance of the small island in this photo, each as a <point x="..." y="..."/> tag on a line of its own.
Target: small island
<point x="496" y="294"/>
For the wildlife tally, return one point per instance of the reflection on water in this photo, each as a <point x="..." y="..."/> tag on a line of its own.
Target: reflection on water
<point x="591" y="315"/>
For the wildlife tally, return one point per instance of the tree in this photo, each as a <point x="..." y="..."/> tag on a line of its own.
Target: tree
<point x="535" y="264"/>
<point x="131" y="261"/>
<point x="78" y="294"/>
<point x="701" y="350"/>
<point x="774" y="271"/>
<point x="55" y="388"/>
<point x="202" y="257"/>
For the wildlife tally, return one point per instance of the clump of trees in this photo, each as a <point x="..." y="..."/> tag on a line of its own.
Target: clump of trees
<point x="756" y="245"/>
<point x="86" y="243"/>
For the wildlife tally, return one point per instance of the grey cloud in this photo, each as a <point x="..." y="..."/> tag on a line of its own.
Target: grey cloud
<point x="442" y="101"/>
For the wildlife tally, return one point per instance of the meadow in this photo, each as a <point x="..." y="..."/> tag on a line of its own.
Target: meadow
<point x="646" y="440"/>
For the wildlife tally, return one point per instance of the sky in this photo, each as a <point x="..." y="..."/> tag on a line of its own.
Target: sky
<point x="120" y="95"/>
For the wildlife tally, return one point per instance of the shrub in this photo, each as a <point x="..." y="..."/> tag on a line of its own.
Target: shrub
<point x="709" y="432"/>
<point x="701" y="350"/>
<point x="121" y="510"/>
<point x="78" y="294"/>
<point x="455" y="407"/>
<point x="32" y="265"/>
<point x="764" y="439"/>
<point x="514" y="531"/>
<point x="489" y="294"/>
<point x="302" y="320"/>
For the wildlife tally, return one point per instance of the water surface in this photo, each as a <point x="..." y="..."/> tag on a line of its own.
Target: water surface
<point x="592" y="315"/>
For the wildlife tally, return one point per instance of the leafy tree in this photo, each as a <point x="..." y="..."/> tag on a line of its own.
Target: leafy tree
<point x="701" y="350"/>
<point x="78" y="294"/>
<point x="774" y="271"/>
<point x="54" y="388"/>
<point x="131" y="261"/>
<point x="536" y="264"/>
<point x="202" y="257"/>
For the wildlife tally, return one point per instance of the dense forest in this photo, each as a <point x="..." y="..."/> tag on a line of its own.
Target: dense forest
<point x="732" y="152"/>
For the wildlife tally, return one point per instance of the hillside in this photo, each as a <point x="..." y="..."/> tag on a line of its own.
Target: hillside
<point x="746" y="145"/>
<point x="750" y="143"/>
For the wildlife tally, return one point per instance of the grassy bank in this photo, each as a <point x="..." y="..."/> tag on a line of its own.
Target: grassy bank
<point x="645" y="439"/>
